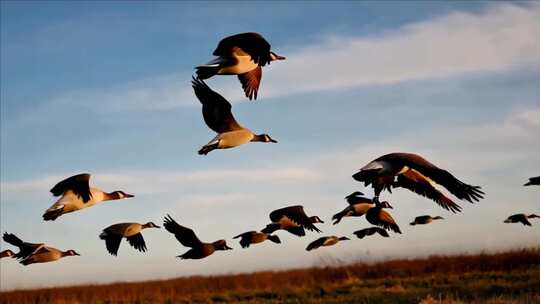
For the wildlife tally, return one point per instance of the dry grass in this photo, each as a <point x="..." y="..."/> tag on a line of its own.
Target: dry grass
<point x="509" y="277"/>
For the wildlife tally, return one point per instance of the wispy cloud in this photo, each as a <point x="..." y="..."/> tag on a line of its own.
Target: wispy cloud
<point x="501" y="37"/>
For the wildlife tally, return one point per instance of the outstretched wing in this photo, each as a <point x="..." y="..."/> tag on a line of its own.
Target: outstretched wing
<point x="252" y="43"/>
<point x="183" y="234"/>
<point x="418" y="183"/>
<point x="216" y="109"/>
<point x="250" y="82"/>
<point x="370" y="231"/>
<point x="137" y="241"/>
<point x="442" y="177"/>
<point x="78" y="184"/>
<point x="316" y="244"/>
<point x="112" y="242"/>
<point x="295" y="214"/>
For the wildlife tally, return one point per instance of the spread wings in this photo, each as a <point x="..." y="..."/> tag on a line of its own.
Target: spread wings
<point x="137" y="241"/>
<point x="252" y="43"/>
<point x="419" y="184"/>
<point x="216" y="109"/>
<point x="370" y="231"/>
<point x="77" y="183"/>
<point x="183" y="234"/>
<point x="295" y="214"/>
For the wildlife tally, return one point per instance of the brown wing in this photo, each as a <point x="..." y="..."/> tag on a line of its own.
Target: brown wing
<point x="216" y="109"/>
<point x="183" y="234"/>
<point x="250" y="82"/>
<point x="417" y="183"/>
<point x="381" y="218"/>
<point x="252" y="43"/>
<point x="442" y="177"/>
<point x="77" y="183"/>
<point x="295" y="214"/>
<point x="316" y="244"/>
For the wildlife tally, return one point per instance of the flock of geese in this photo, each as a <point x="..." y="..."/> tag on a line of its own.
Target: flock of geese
<point x="244" y="55"/>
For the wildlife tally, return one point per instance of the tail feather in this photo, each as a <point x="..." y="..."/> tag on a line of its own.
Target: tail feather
<point x="51" y="215"/>
<point x="205" y="72"/>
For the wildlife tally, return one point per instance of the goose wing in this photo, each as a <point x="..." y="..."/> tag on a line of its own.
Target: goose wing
<point x="25" y="249"/>
<point x="295" y="214"/>
<point x="250" y="82"/>
<point x="252" y="43"/>
<point x="78" y="184"/>
<point x="442" y="177"/>
<point x="316" y="244"/>
<point x="137" y="241"/>
<point x="216" y="109"/>
<point x="183" y="234"/>
<point x="112" y="242"/>
<point x="418" y="183"/>
<point x="370" y="231"/>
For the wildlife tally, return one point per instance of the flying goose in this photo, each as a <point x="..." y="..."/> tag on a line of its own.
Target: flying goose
<point x="425" y="219"/>
<point x="254" y="237"/>
<point x="325" y="241"/>
<point x="243" y="55"/>
<point x="378" y="217"/>
<point x="76" y="194"/>
<point x="292" y="219"/>
<point x="418" y="175"/>
<point x="218" y="116"/>
<point x="30" y="253"/>
<point x="6" y="254"/>
<point x="533" y="181"/>
<point x="521" y="218"/>
<point x="370" y="231"/>
<point x="358" y="206"/>
<point x="131" y="231"/>
<point x="188" y="238"/>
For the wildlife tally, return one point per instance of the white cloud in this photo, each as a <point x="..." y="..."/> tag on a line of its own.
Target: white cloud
<point x="502" y="37"/>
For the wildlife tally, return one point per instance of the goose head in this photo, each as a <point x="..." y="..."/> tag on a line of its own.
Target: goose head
<point x="70" y="252"/>
<point x="264" y="138"/>
<point x="274" y="57"/>
<point x="221" y="245"/>
<point x="116" y="195"/>
<point x="150" y="225"/>
<point x="315" y="219"/>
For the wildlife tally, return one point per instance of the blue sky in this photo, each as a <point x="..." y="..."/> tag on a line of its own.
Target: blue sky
<point x="104" y="87"/>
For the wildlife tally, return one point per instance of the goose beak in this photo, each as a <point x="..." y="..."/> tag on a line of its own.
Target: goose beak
<point x="227" y="247"/>
<point x="129" y="195"/>
<point x="273" y="141"/>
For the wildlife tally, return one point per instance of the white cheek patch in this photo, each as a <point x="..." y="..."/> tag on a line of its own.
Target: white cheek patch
<point x="373" y="166"/>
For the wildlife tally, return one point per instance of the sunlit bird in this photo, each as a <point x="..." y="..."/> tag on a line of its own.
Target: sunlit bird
<point x="76" y="194"/>
<point x="533" y="181"/>
<point x="188" y="238"/>
<point x="358" y="206"/>
<point x="418" y="175"/>
<point x="521" y="218"/>
<point x="218" y="116"/>
<point x="243" y="55"/>
<point x="378" y="217"/>
<point x="292" y="219"/>
<point x="325" y="241"/>
<point x="131" y="231"/>
<point x="30" y="253"/>
<point x="255" y="237"/>
<point x="425" y="219"/>
<point x="362" y="233"/>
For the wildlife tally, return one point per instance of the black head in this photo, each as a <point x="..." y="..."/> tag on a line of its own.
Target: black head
<point x="344" y="238"/>
<point x="150" y="225"/>
<point x="120" y="195"/>
<point x="354" y="194"/>
<point x="274" y="56"/>
<point x="221" y="245"/>
<point x="386" y="204"/>
<point x="264" y="138"/>
<point x="438" y="218"/>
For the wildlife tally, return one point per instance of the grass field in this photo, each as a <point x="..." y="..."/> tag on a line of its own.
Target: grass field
<point x="508" y="277"/>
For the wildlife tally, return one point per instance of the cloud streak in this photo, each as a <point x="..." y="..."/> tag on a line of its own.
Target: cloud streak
<point x="500" y="38"/>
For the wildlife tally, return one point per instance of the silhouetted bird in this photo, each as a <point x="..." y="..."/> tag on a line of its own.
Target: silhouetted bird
<point x="521" y="218"/>
<point x="325" y="241"/>
<point x="425" y="219"/>
<point x="370" y="231"/>
<point x="254" y="237"/>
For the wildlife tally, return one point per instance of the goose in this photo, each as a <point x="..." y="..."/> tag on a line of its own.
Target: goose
<point x="131" y="231"/>
<point x="30" y="253"/>
<point x="243" y="55"/>
<point x="378" y="217"/>
<point x="326" y="241"/>
<point x="521" y="218"/>
<point x="533" y="181"/>
<point x="188" y="238"/>
<point x="25" y="249"/>
<point x="6" y="254"/>
<point x="358" y="206"/>
<point x="254" y="237"/>
<point x="370" y="231"/>
<point x="76" y="194"/>
<point x="292" y="219"/>
<point x="425" y="219"/>
<point x="217" y="115"/>
<point x="418" y="175"/>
